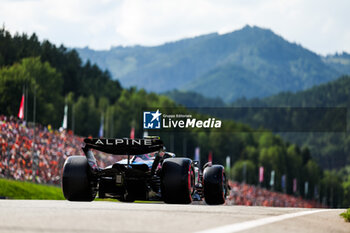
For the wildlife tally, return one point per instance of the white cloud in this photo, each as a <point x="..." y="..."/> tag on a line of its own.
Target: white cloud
<point x="316" y="24"/>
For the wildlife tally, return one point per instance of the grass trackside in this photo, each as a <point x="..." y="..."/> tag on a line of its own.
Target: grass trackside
<point x="346" y="215"/>
<point x="13" y="189"/>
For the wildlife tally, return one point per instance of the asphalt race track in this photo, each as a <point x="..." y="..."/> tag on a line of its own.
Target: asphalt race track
<point x="98" y="216"/>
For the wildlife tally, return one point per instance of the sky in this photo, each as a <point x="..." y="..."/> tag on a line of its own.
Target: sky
<point x="318" y="25"/>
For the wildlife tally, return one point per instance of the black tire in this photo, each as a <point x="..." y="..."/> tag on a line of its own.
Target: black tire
<point x="214" y="185"/>
<point x="76" y="181"/>
<point x="177" y="181"/>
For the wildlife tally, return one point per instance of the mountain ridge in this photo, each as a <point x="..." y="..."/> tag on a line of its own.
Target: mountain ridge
<point x="191" y="64"/>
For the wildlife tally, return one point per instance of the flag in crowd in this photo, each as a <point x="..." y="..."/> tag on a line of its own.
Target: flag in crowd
<point x="244" y="172"/>
<point x="306" y="188"/>
<point x="197" y="156"/>
<point x="228" y="164"/>
<point x="283" y="183"/>
<point x="210" y="157"/>
<point x="132" y="132"/>
<point x="21" y="109"/>
<point x="272" y="179"/>
<point x="64" y="123"/>
<point x="261" y="174"/>
<point x="100" y="132"/>
<point x="294" y="185"/>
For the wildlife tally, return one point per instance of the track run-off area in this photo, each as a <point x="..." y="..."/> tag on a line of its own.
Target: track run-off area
<point x="103" y="216"/>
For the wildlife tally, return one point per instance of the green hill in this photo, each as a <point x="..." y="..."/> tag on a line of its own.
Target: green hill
<point x="250" y="62"/>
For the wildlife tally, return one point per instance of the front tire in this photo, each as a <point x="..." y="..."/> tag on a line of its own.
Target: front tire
<point x="214" y="185"/>
<point x="76" y="180"/>
<point x="177" y="181"/>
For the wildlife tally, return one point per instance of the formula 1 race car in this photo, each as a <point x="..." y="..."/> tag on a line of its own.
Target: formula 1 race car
<point x="148" y="173"/>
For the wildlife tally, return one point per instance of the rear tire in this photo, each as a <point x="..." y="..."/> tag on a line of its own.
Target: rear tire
<point x="76" y="180"/>
<point x="177" y="181"/>
<point x="214" y="185"/>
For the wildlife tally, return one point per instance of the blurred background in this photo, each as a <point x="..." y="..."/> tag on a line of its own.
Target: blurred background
<point x="73" y="69"/>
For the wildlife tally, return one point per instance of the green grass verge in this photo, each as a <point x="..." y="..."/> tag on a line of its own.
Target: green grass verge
<point x="346" y="215"/>
<point x="13" y="189"/>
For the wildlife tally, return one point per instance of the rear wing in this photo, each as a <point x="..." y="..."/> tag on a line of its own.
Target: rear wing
<point x="125" y="146"/>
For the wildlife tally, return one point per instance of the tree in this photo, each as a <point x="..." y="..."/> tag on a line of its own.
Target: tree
<point x="312" y="176"/>
<point x="87" y="116"/>
<point x="294" y="166"/>
<point x="250" y="171"/>
<point x="346" y="187"/>
<point x="39" y="78"/>
<point x="331" y="189"/>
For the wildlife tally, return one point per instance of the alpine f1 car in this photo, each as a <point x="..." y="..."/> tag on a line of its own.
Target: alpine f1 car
<point x="148" y="173"/>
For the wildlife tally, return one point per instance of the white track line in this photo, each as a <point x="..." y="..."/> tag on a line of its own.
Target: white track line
<point x="259" y="222"/>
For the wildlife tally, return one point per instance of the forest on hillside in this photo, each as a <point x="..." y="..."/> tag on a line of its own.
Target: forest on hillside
<point x="331" y="149"/>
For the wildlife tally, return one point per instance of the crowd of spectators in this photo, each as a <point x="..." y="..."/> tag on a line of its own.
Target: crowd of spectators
<point x="41" y="161"/>
<point x="245" y="194"/>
